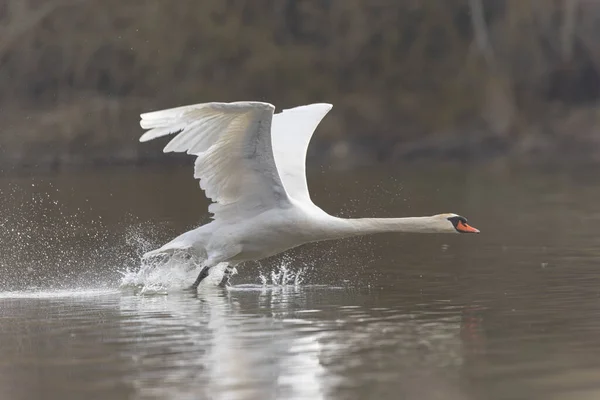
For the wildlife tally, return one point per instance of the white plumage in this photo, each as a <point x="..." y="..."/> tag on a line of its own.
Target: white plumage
<point x="251" y="164"/>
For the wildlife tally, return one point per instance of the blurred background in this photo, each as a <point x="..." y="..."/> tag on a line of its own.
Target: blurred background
<point x="412" y="79"/>
<point x="486" y="108"/>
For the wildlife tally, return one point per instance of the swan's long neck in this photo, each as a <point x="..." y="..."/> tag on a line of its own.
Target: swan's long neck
<point x="341" y="228"/>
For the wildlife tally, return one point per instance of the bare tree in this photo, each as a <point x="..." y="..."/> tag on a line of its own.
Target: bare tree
<point x="499" y="110"/>
<point x="567" y="31"/>
<point x="480" y="29"/>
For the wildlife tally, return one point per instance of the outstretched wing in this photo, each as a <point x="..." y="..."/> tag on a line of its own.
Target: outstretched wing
<point x="291" y="133"/>
<point x="232" y="142"/>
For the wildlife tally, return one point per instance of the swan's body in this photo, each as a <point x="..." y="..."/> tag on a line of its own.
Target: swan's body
<point x="251" y="163"/>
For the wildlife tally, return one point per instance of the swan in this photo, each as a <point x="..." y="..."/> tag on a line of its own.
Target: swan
<point x="251" y="164"/>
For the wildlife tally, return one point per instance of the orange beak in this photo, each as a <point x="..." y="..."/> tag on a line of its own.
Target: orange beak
<point x="465" y="228"/>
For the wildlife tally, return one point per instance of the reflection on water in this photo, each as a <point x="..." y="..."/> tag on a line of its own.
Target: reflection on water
<point x="509" y="314"/>
<point x="251" y="343"/>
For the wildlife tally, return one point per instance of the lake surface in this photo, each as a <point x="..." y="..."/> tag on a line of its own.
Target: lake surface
<point x="512" y="313"/>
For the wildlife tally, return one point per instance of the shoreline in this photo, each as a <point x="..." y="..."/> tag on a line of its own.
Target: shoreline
<point x="98" y="132"/>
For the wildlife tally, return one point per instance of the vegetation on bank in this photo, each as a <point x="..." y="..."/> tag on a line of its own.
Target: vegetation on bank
<point x="407" y="78"/>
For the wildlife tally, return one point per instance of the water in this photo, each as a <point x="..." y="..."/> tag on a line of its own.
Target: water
<point x="511" y="313"/>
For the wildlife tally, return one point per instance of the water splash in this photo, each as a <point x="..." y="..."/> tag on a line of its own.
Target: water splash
<point x="168" y="273"/>
<point x="57" y="294"/>
<point x="158" y="275"/>
<point x="283" y="276"/>
<point x="45" y="244"/>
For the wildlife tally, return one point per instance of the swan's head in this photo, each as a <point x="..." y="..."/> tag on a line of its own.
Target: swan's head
<point x="454" y="223"/>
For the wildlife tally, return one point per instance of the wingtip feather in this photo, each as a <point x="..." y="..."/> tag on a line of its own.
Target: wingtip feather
<point x="325" y="106"/>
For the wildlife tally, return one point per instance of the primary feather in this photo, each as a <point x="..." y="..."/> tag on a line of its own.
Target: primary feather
<point x="232" y="143"/>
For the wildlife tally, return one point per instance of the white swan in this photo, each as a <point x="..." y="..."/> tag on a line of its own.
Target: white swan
<point x="251" y="163"/>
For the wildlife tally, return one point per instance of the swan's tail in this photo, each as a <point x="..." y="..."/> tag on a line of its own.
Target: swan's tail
<point x="159" y="252"/>
<point x="185" y="242"/>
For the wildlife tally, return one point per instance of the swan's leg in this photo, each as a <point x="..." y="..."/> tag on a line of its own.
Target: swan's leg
<point x="229" y="272"/>
<point x="203" y="274"/>
<point x="213" y="260"/>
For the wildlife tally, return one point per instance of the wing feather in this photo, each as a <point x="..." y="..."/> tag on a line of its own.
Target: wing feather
<point x="291" y="131"/>
<point x="232" y="143"/>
